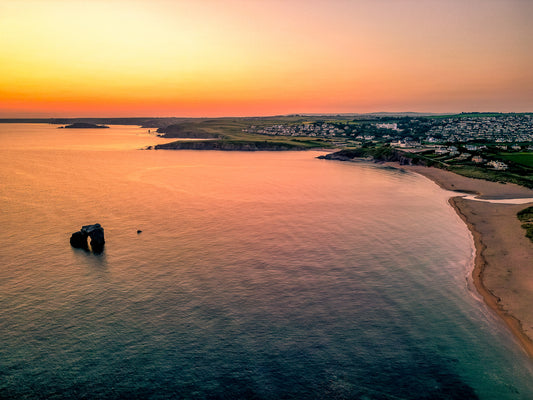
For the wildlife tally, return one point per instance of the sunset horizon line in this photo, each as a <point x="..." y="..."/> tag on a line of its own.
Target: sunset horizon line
<point x="295" y="114"/>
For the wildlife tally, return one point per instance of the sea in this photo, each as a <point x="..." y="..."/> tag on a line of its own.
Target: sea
<point x="235" y="275"/>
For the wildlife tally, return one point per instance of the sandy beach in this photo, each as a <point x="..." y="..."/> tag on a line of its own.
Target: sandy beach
<point x="503" y="271"/>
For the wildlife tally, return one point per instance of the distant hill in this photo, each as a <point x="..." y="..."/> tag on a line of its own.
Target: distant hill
<point x="186" y="130"/>
<point x="84" y="125"/>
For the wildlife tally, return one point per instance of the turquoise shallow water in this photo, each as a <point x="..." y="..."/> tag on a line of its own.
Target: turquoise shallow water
<point x="256" y="275"/>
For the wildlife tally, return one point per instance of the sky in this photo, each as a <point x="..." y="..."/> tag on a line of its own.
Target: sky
<point x="208" y="58"/>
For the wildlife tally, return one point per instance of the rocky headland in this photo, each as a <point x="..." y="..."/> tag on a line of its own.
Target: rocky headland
<point x="229" y="145"/>
<point x="383" y="154"/>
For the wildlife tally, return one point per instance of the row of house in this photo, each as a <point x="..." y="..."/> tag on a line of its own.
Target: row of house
<point x="505" y="128"/>
<point x="323" y="129"/>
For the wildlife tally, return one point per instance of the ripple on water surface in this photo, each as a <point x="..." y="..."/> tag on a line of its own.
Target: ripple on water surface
<point x="256" y="276"/>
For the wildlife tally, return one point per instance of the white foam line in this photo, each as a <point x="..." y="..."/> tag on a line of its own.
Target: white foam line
<point x="500" y="201"/>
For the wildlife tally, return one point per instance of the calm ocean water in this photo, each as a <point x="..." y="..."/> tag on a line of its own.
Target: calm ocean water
<point x="256" y="275"/>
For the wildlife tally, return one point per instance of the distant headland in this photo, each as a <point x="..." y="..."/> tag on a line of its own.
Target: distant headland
<point x="83" y="125"/>
<point x="231" y="145"/>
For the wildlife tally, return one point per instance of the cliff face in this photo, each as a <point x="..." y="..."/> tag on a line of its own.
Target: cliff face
<point x="376" y="154"/>
<point x="228" y="145"/>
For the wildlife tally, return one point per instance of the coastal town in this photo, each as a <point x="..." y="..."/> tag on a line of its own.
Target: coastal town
<point x="499" y="128"/>
<point x="492" y="141"/>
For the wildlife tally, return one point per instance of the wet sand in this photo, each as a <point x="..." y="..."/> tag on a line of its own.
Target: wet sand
<point x="503" y="270"/>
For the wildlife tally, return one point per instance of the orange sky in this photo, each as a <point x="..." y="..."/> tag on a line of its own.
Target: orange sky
<point x="252" y="57"/>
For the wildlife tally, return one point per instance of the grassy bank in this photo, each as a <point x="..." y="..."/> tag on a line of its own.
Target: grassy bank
<point x="526" y="217"/>
<point x="492" y="175"/>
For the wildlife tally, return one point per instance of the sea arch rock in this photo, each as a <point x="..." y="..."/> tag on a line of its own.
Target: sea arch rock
<point x="95" y="232"/>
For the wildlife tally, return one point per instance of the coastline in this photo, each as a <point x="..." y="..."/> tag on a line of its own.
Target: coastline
<point x="493" y="301"/>
<point x="502" y="252"/>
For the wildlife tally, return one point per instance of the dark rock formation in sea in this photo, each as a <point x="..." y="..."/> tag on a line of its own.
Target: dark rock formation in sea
<point x="79" y="240"/>
<point x="84" y="125"/>
<point x="95" y="232"/>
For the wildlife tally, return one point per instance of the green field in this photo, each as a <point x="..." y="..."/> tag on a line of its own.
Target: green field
<point x="492" y="175"/>
<point x="471" y="115"/>
<point x="229" y="133"/>
<point x="525" y="159"/>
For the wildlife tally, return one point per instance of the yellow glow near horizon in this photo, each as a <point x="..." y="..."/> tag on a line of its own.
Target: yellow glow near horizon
<point x="239" y="57"/>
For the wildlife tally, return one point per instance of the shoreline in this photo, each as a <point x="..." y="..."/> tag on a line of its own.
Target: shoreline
<point x="493" y="301"/>
<point x="494" y="264"/>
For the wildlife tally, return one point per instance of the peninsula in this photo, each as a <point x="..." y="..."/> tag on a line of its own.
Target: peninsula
<point x="232" y="145"/>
